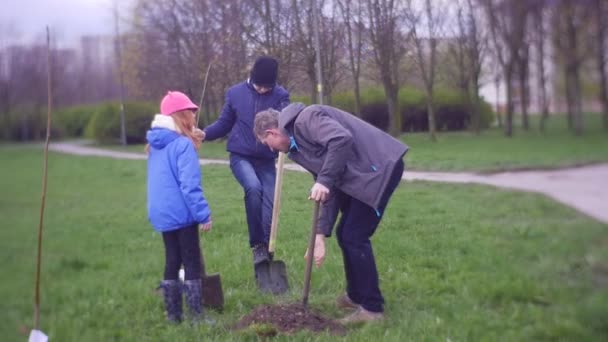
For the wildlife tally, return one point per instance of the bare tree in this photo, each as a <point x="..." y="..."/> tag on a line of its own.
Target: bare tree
<point x="352" y="17"/>
<point x="330" y="36"/>
<point x="523" y="73"/>
<point x="383" y="23"/>
<point x="270" y="28"/>
<point x="476" y="52"/>
<point x="118" y="51"/>
<point x="430" y="20"/>
<point x="539" y="42"/>
<point x="5" y="104"/>
<point x="459" y="70"/>
<point x="601" y="13"/>
<point x="27" y="78"/>
<point x="468" y="50"/>
<point x="302" y="14"/>
<point x="507" y="20"/>
<point x="173" y="42"/>
<point x="569" y="21"/>
<point x="332" y="55"/>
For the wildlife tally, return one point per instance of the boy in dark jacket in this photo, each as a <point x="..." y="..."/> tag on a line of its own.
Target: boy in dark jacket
<point x="252" y="164"/>
<point x="356" y="169"/>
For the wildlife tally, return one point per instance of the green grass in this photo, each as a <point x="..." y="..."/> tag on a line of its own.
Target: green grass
<point x="456" y="262"/>
<point x="492" y="151"/>
<point x="489" y="152"/>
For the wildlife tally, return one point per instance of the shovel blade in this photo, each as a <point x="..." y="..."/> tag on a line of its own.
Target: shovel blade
<point x="213" y="295"/>
<point x="271" y="277"/>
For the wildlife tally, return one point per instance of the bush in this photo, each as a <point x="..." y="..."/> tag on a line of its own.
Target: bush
<point x="451" y="109"/>
<point x="27" y="123"/>
<point x="104" y="126"/>
<point x="375" y="113"/>
<point x="300" y="98"/>
<point x="74" y="120"/>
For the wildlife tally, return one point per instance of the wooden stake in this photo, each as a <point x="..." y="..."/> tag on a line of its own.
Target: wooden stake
<point x="44" y="181"/>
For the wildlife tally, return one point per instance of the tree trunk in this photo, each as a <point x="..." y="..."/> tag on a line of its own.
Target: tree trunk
<point x="357" y="99"/>
<point x="509" y="116"/>
<point x="524" y="92"/>
<point x="394" y="119"/>
<point x="542" y="80"/>
<point x="573" y="97"/>
<point x="431" y="115"/>
<point x="601" y="57"/>
<point x="576" y="92"/>
<point x="475" y="112"/>
<point x="569" y="100"/>
<point x="498" y="113"/>
<point x="604" y="96"/>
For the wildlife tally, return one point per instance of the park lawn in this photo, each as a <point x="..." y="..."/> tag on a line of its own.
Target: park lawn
<point x="457" y="262"/>
<point x="490" y="151"/>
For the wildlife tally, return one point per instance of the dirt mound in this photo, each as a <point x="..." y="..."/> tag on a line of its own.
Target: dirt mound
<point x="267" y="320"/>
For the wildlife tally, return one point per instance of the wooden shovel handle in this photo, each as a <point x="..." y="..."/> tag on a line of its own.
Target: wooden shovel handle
<point x="278" y="185"/>
<point x="311" y="254"/>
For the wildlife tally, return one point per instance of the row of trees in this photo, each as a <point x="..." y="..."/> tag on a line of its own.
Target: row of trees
<point x="462" y="44"/>
<point x="531" y="45"/>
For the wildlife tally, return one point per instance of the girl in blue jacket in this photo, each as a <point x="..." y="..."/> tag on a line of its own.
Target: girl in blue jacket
<point x="177" y="207"/>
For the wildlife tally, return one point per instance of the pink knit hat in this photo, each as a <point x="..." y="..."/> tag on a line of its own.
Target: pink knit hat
<point x="175" y="101"/>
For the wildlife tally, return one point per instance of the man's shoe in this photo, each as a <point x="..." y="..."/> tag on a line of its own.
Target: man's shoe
<point x="260" y="254"/>
<point x="362" y="316"/>
<point x="344" y="302"/>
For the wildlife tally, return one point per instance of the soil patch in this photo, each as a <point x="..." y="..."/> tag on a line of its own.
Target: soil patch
<point x="268" y="320"/>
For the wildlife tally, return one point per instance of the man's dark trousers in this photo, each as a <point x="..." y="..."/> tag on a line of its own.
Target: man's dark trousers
<point x="358" y="223"/>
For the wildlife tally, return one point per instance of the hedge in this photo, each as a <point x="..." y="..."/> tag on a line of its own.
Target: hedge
<point x="451" y="110"/>
<point x="104" y="126"/>
<point x="27" y="123"/>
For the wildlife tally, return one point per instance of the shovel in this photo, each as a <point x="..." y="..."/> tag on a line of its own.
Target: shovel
<point x="311" y="254"/>
<point x="213" y="295"/>
<point x="271" y="276"/>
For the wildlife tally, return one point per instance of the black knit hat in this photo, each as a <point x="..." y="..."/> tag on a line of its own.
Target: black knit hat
<point x="264" y="72"/>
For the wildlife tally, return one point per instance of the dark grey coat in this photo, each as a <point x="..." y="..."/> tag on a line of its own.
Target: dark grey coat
<point x="343" y="152"/>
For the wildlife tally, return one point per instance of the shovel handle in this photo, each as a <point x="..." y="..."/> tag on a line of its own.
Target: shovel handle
<point x="203" y="270"/>
<point x="278" y="185"/>
<point x="311" y="254"/>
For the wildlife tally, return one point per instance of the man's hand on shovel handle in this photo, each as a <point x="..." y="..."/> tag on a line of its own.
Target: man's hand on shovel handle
<point x="319" y="193"/>
<point x="319" y="250"/>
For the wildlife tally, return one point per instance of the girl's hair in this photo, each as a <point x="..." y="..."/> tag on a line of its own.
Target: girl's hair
<point x="185" y="126"/>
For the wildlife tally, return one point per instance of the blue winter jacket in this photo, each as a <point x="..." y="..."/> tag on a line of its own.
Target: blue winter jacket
<point x="175" y="195"/>
<point x="241" y="104"/>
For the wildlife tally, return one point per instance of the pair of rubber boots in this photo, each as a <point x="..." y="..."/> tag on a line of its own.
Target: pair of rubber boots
<point x="172" y="295"/>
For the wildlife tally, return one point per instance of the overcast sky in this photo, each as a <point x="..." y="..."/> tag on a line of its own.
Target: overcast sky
<point x="25" y="20"/>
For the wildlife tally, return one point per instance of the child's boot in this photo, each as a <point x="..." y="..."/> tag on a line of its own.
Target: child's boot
<point x="172" y="293"/>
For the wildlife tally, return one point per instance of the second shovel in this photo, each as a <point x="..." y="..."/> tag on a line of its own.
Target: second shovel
<point x="271" y="276"/>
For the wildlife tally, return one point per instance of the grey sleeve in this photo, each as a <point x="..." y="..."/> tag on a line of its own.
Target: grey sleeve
<point x="328" y="213"/>
<point x="323" y="130"/>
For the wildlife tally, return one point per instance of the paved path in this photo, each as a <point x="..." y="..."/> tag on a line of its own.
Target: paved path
<point x="583" y="188"/>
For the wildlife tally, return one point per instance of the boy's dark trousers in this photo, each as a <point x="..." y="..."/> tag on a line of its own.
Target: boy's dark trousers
<point x="357" y="224"/>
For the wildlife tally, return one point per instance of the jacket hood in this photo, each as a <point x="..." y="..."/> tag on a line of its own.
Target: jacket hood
<point x="160" y="137"/>
<point x="289" y="113"/>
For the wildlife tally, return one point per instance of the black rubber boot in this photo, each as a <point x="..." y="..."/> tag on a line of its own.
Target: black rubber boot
<point x="172" y="294"/>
